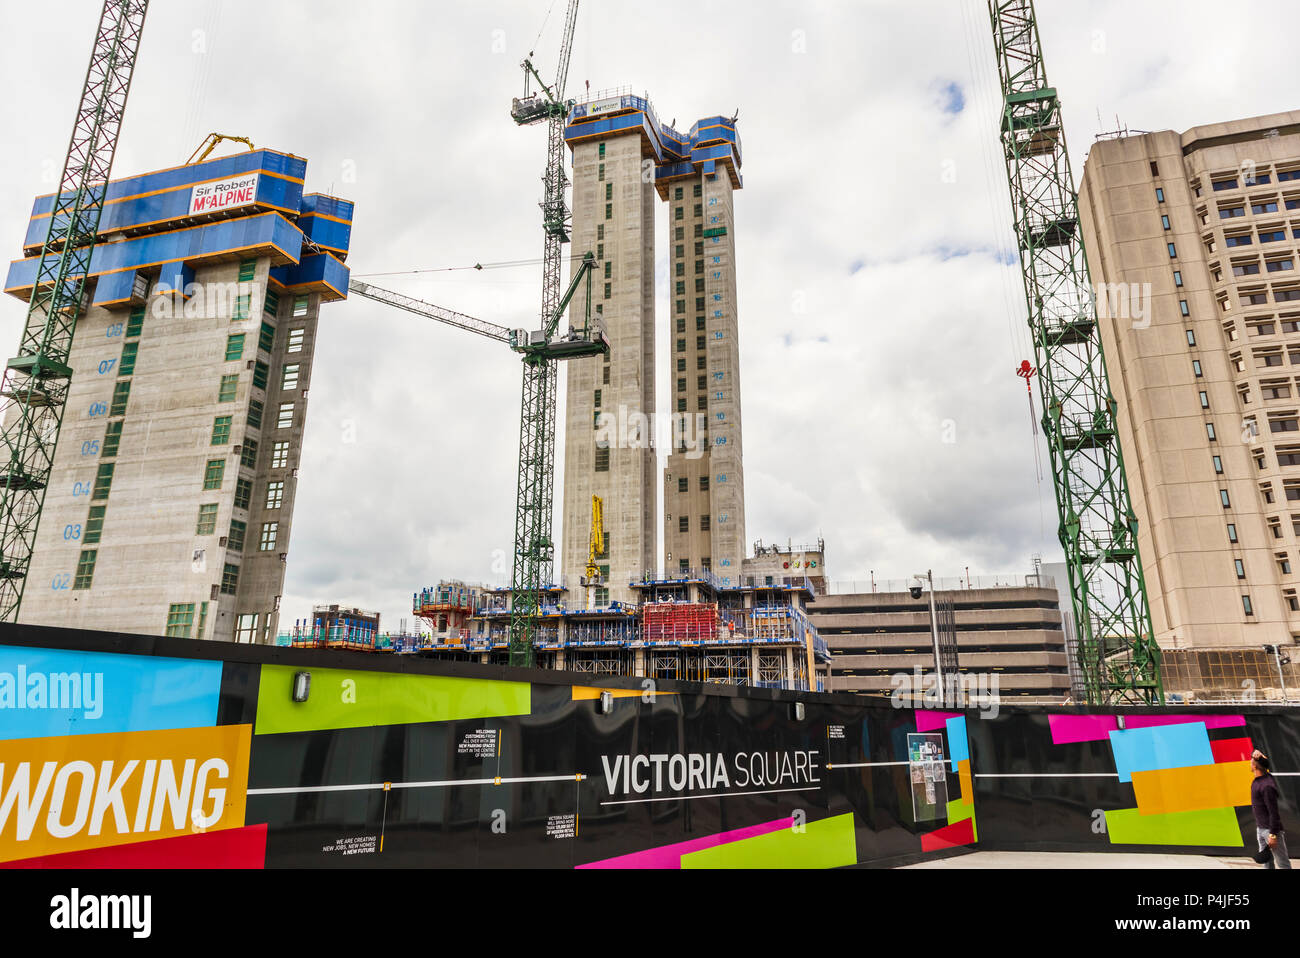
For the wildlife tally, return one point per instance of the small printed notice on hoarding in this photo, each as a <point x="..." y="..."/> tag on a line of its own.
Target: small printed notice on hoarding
<point x="356" y="845"/>
<point x="224" y="194"/>
<point x="562" y="826"/>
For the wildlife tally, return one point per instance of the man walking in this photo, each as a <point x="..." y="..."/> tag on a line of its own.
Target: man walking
<point x="1268" y="822"/>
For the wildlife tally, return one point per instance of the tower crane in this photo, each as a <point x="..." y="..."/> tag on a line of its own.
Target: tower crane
<point x="36" y="381"/>
<point x="1117" y="651"/>
<point x="534" y="550"/>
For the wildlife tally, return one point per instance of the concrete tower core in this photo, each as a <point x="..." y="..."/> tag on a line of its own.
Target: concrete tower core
<point x="622" y="155"/>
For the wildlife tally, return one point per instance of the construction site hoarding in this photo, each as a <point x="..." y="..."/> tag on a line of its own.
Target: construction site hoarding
<point x="138" y="751"/>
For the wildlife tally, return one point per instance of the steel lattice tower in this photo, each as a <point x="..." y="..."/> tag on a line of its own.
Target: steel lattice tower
<point x="36" y="381"/>
<point x="1118" y="655"/>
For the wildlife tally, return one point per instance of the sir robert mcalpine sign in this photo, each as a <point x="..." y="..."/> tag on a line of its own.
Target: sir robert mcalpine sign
<point x="224" y="194"/>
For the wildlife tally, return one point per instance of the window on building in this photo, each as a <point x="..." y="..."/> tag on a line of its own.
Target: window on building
<point x="85" y="570"/>
<point x="705" y="523"/>
<point x="229" y="385"/>
<point x="1196" y="368"/>
<point x="1283" y="563"/>
<point x="121" y="393"/>
<point x="243" y="493"/>
<point x="248" y="454"/>
<point x="681" y="404"/>
<point x="255" y="408"/>
<point x="207" y="523"/>
<point x="681" y="385"/>
<point x="683" y="523"/>
<point x="135" y="324"/>
<point x="605" y="376"/>
<point x="280" y="455"/>
<point x="600" y="172"/>
<point x="683" y="484"/>
<point x="1246" y="605"/>
<point x="1191" y="338"/>
<point x="602" y="150"/>
<point x="681" y="365"/>
<point x="234" y="347"/>
<point x="1173" y="251"/>
<point x="1160" y="195"/>
<point x="295" y="340"/>
<point x="609" y="211"/>
<point x="299" y="306"/>
<point x="271" y="303"/>
<point x="270" y="530"/>
<point x="1240" y="567"/>
<point x="1178" y="278"/>
<point x="214" y="474"/>
<point x="704" y="483"/>
<point x="1164" y="221"/>
<point x="246" y="628"/>
<point x="243" y="306"/>
<point x="94" y="525"/>
<point x="235" y="540"/>
<point x="230" y="579"/>
<point x="702" y="402"/>
<point x="274" y="494"/>
<point x="180" y="619"/>
<point x="1218" y="465"/>
<point x="285" y="419"/>
<point x="1232" y="533"/>
<point x="1223" y="497"/>
<point x="266" y="337"/>
<point x="602" y="459"/>
<point x="221" y="430"/>
<point x="112" y="439"/>
<point x="247" y="270"/>
<point x="1205" y="400"/>
<point x="699" y="362"/>
<point x="261" y="373"/>
<point x="126" y="366"/>
<point x="103" y="481"/>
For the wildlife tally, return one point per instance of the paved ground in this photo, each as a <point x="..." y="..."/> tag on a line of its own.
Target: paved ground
<point x="1083" y="860"/>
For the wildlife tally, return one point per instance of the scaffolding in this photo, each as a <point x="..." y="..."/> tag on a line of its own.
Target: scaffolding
<point x="609" y="661"/>
<point x="622" y="631"/>
<point x="727" y="666"/>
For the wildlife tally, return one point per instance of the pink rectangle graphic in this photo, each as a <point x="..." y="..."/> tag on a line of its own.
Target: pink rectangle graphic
<point x="670" y="856"/>
<point x="927" y="720"/>
<point x="1081" y="728"/>
<point x="1211" y="721"/>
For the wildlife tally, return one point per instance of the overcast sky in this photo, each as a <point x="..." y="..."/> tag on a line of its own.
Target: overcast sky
<point x="881" y="310"/>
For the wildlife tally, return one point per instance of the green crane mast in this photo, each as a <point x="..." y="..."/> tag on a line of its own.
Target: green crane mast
<point x="36" y="381"/>
<point x="1116" y="649"/>
<point x="534" y="560"/>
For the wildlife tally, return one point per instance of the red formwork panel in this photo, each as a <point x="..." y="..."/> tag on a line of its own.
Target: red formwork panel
<point x="679" y="622"/>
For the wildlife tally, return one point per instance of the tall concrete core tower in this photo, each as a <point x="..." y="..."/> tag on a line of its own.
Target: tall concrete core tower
<point x="171" y="499"/>
<point x="704" y="484"/>
<point x="622" y="156"/>
<point x="614" y="218"/>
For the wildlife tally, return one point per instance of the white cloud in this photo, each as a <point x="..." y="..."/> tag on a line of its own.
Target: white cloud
<point x="849" y="157"/>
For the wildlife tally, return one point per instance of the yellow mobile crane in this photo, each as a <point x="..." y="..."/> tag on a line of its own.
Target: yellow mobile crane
<point x="212" y="141"/>
<point x="596" y="547"/>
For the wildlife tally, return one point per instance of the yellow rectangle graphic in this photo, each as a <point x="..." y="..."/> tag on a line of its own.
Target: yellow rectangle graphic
<point x="1192" y="788"/>
<point x="73" y="792"/>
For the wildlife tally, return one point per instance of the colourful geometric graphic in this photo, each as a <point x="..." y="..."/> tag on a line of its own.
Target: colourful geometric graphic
<point x="1068" y="729"/>
<point x="69" y="793"/>
<point x="828" y="843"/>
<point x="48" y="692"/>
<point x="1161" y="746"/>
<point x="1192" y="788"/>
<point x="670" y="856"/>
<point x="1212" y="827"/>
<point x="229" y="848"/>
<point x="1231" y="749"/>
<point x="927" y="720"/>
<point x="344" y="698"/>
<point x="950" y="836"/>
<point x="958" y="749"/>
<point x="1209" y="721"/>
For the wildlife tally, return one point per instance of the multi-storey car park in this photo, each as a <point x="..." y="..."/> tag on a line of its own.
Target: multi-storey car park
<point x="170" y="502"/>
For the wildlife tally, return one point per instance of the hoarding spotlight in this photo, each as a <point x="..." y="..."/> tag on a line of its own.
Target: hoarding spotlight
<point x="301" y="686"/>
<point x="606" y="702"/>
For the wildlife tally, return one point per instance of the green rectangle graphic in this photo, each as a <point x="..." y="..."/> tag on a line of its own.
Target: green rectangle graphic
<point x="1210" y="826"/>
<point x="829" y="843"/>
<point x="342" y="698"/>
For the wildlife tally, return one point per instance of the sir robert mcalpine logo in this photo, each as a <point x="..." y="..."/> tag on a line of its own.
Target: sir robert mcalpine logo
<point x="75" y="792"/>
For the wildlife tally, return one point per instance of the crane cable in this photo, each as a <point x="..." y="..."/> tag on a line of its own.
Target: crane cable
<point x="503" y="264"/>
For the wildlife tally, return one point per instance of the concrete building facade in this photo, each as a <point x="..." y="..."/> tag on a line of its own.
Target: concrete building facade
<point x="170" y="505"/>
<point x="614" y="218"/>
<point x="1200" y="230"/>
<point x="622" y="156"/>
<point x="1013" y="633"/>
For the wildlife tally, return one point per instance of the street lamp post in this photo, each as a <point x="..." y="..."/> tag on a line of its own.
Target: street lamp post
<point x="934" y="631"/>
<point x="1278" y="661"/>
